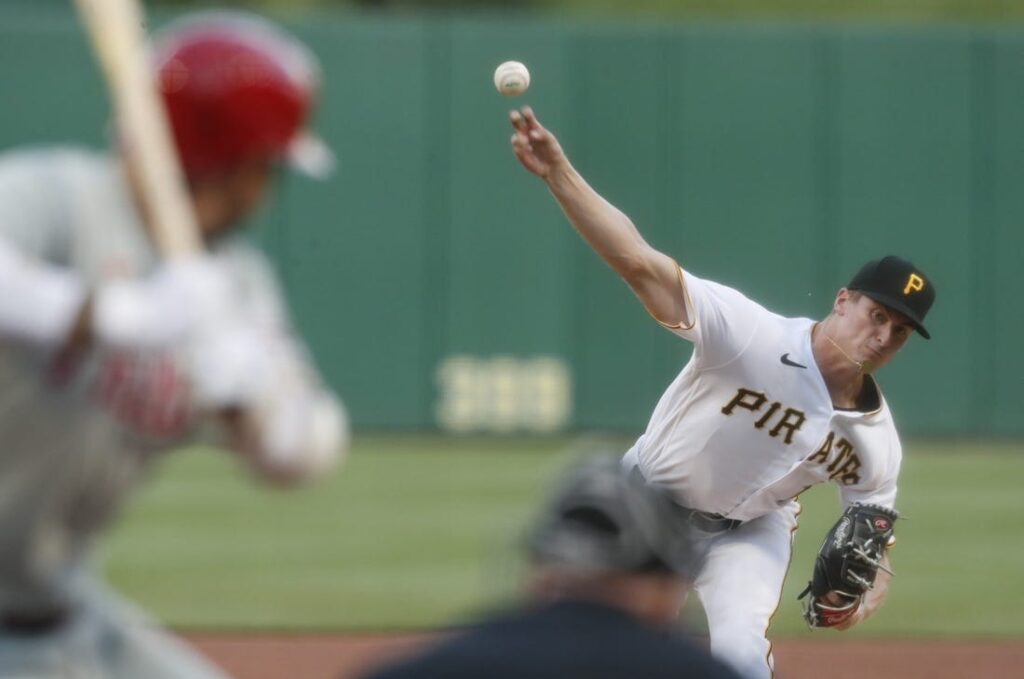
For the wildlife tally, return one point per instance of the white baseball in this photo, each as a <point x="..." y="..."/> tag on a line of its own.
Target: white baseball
<point x="511" y="78"/>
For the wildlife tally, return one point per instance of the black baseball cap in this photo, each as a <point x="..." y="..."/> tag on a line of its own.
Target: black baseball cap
<point x="898" y="284"/>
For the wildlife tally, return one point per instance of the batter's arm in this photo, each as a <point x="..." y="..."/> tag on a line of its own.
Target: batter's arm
<point x="291" y="436"/>
<point x="257" y="374"/>
<point x="652" y="275"/>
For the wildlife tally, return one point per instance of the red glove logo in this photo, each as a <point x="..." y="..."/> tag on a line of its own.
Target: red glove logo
<point x="829" y="618"/>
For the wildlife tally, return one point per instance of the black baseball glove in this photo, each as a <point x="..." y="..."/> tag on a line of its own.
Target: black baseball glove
<point x="847" y="564"/>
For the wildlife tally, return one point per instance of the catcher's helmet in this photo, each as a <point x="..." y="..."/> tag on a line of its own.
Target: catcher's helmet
<point x="604" y="518"/>
<point x="237" y="88"/>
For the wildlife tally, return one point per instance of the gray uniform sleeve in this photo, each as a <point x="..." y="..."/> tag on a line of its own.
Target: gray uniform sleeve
<point x="260" y="298"/>
<point x="33" y="217"/>
<point x="40" y="295"/>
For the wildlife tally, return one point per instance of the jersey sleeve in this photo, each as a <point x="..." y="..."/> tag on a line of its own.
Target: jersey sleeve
<point x="261" y="302"/>
<point x="33" y="218"/>
<point x="722" y="321"/>
<point x="879" y="485"/>
<point x="259" y="296"/>
<point x="39" y="295"/>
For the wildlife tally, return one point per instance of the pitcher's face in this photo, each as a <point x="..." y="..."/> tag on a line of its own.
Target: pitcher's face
<point x="870" y="332"/>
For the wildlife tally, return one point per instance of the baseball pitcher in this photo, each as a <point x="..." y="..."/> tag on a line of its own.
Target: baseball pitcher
<point x="110" y="356"/>
<point x="766" y="407"/>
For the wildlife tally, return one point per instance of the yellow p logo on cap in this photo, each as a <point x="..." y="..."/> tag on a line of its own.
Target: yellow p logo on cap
<point x="914" y="284"/>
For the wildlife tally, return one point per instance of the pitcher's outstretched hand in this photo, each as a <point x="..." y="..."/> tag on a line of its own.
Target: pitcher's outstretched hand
<point x="536" y="148"/>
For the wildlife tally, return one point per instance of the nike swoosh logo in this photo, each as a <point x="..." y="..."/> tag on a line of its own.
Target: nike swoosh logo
<point x="785" y="361"/>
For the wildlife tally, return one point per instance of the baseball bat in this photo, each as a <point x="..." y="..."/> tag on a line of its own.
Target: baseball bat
<point x="116" y="32"/>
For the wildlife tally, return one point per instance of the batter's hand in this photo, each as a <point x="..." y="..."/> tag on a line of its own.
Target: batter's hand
<point x="536" y="148"/>
<point x="182" y="297"/>
<point x="231" y="363"/>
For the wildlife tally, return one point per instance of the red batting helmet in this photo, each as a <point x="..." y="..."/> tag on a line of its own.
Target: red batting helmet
<point x="237" y="88"/>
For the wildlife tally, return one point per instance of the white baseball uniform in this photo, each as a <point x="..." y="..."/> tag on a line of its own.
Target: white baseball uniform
<point x="746" y="427"/>
<point x="80" y="432"/>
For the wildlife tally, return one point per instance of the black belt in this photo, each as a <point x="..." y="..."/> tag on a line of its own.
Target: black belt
<point x="33" y="623"/>
<point x="707" y="521"/>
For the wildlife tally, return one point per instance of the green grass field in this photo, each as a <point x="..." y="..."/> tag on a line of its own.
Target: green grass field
<point x="421" y="532"/>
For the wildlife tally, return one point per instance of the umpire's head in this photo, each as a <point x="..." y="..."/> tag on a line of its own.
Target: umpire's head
<point x="605" y="534"/>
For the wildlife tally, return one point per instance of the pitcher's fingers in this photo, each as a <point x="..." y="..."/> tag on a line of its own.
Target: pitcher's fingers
<point x="528" y="160"/>
<point x="523" y="155"/>
<point x="530" y="116"/>
<point x="517" y="120"/>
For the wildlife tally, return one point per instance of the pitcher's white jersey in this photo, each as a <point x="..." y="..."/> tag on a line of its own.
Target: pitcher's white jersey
<point x="749" y="424"/>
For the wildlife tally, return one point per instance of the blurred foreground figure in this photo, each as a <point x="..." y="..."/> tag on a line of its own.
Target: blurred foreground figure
<point x="609" y="564"/>
<point x="109" y="356"/>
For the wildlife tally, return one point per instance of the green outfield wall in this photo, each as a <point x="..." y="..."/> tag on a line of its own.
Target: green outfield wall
<point x="439" y="285"/>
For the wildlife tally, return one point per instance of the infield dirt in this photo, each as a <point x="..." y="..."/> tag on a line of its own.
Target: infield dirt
<point x="264" y="656"/>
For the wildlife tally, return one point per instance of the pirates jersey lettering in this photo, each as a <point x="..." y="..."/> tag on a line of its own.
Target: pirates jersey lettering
<point x="791" y="420"/>
<point x="843" y="465"/>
